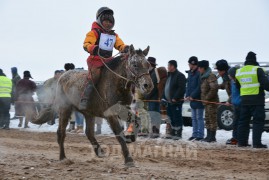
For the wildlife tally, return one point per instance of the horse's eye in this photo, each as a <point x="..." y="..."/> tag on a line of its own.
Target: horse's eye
<point x="135" y="65"/>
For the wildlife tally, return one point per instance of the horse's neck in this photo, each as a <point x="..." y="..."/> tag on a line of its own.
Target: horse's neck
<point x="111" y="78"/>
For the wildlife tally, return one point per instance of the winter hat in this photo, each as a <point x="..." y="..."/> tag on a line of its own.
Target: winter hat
<point x="106" y="15"/>
<point x="57" y="71"/>
<point x="203" y="64"/>
<point x="69" y="66"/>
<point x="173" y="62"/>
<point x="222" y="65"/>
<point x="193" y="60"/>
<point x="232" y="71"/>
<point x="27" y="74"/>
<point x="1" y="72"/>
<point x="152" y="61"/>
<point x="251" y="58"/>
<point x="14" y="70"/>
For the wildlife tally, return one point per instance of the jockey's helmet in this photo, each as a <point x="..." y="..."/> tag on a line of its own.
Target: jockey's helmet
<point x="104" y="10"/>
<point x="105" y="13"/>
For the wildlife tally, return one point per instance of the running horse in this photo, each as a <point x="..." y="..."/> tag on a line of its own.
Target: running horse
<point x="118" y="77"/>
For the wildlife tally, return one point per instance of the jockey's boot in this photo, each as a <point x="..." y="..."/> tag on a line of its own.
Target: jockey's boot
<point x="85" y="96"/>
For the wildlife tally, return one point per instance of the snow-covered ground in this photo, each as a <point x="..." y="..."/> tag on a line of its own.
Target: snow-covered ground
<point x="222" y="135"/>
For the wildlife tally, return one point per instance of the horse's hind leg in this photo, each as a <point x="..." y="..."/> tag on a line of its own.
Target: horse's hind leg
<point x="64" y="115"/>
<point x="117" y="129"/>
<point x="90" y="123"/>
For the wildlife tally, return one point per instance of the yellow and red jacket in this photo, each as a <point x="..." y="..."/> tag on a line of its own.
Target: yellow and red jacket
<point x="92" y="40"/>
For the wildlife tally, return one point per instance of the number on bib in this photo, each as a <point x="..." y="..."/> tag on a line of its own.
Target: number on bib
<point x="107" y="42"/>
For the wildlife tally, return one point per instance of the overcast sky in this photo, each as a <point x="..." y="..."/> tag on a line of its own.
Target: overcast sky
<point x="42" y="35"/>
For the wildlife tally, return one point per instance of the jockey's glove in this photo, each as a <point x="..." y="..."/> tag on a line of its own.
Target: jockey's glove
<point x="95" y="51"/>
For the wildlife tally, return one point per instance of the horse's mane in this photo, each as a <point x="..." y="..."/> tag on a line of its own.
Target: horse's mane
<point x="114" y="63"/>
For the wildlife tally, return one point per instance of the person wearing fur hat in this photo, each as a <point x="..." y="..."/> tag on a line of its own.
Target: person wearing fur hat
<point x="69" y="66"/>
<point x="174" y="91"/>
<point x="223" y="67"/>
<point x="15" y="79"/>
<point x="25" y="90"/>
<point x="5" y="100"/>
<point x="99" y="42"/>
<point x="209" y="92"/>
<point x="252" y="82"/>
<point x="193" y="91"/>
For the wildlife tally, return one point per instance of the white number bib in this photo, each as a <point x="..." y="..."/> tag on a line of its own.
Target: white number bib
<point x="107" y="42"/>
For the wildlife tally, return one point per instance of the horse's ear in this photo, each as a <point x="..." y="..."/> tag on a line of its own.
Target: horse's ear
<point x="131" y="50"/>
<point x="146" y="51"/>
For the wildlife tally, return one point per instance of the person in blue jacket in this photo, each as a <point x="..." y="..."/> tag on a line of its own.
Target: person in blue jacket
<point x="193" y="91"/>
<point x="236" y="102"/>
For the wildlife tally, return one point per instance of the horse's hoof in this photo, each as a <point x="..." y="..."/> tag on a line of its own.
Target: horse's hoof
<point x="130" y="164"/>
<point x="101" y="155"/>
<point x="130" y="138"/>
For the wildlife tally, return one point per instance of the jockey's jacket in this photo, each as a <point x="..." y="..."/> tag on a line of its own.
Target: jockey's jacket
<point x="106" y="42"/>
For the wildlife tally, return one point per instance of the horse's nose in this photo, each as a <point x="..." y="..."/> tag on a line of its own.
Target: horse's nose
<point x="146" y="86"/>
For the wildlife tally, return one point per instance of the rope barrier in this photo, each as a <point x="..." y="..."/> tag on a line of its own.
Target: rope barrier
<point x="197" y="100"/>
<point x="30" y="102"/>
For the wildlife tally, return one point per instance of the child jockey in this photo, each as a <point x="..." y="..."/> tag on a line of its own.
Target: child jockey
<point x="99" y="42"/>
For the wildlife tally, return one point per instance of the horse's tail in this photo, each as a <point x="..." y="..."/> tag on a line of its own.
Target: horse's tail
<point x="45" y="115"/>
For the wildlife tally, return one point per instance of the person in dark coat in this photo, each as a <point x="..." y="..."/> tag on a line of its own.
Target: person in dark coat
<point x="25" y="102"/>
<point x="193" y="91"/>
<point x="174" y="91"/>
<point x="223" y="68"/>
<point x="15" y="79"/>
<point x="252" y="82"/>
<point x="154" y="107"/>
<point x="236" y="102"/>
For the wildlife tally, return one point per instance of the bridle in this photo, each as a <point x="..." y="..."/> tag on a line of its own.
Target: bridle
<point x="135" y="76"/>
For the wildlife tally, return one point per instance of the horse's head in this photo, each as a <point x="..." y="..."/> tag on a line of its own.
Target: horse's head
<point x="138" y="67"/>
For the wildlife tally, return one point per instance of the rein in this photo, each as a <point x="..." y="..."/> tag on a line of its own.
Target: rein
<point x="103" y="59"/>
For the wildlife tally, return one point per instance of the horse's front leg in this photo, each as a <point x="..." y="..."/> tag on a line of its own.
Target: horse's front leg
<point x="117" y="129"/>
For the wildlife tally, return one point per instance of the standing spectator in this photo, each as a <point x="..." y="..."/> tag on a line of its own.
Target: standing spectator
<point x="236" y="102"/>
<point x="174" y="93"/>
<point x="193" y="91"/>
<point x="209" y="92"/>
<point x="79" y="121"/>
<point x="142" y="113"/>
<point x="25" y="106"/>
<point x="223" y="67"/>
<point x="5" y="100"/>
<point x="48" y="93"/>
<point x="15" y="79"/>
<point x="154" y="107"/>
<point x="252" y="82"/>
<point x="67" y="67"/>
<point x="98" y="122"/>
